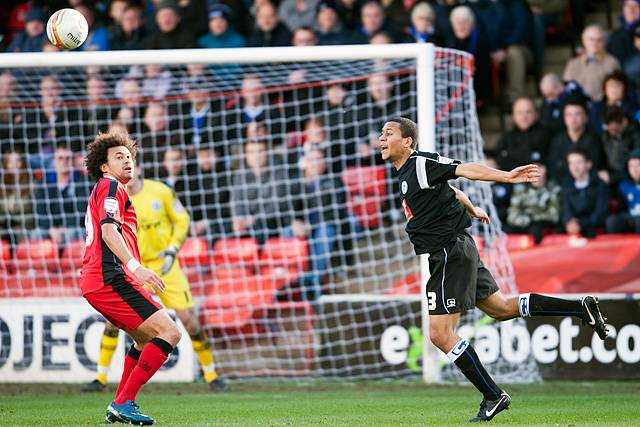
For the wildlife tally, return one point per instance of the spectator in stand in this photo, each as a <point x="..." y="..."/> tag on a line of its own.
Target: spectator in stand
<point x="116" y="10"/>
<point x="34" y="36"/>
<point x="194" y="14"/>
<point x="629" y="189"/>
<point x="51" y="123"/>
<point x="632" y="64"/>
<point x="202" y="124"/>
<point x="546" y="13"/>
<point x="527" y="142"/>
<point x="585" y="197"/>
<point x="319" y="200"/>
<point x="172" y="33"/>
<point x="339" y="110"/>
<point x="314" y="136"/>
<point x="297" y="13"/>
<point x="620" y="43"/>
<point x="260" y="205"/>
<point x="220" y="34"/>
<point x="467" y="37"/>
<point x="173" y="171"/>
<point x="129" y="92"/>
<point x="349" y="12"/>
<point x="616" y="93"/>
<point x="304" y="36"/>
<point x="96" y="115"/>
<point x="16" y="202"/>
<point x="423" y="26"/>
<point x="576" y="135"/>
<point x="328" y="26"/>
<point x="534" y="207"/>
<point x="209" y="195"/>
<point x="157" y="82"/>
<point x="373" y="20"/>
<point x="379" y="105"/>
<point x="269" y="31"/>
<point x="619" y="139"/>
<point x="10" y="117"/>
<point x="156" y="138"/>
<point x="254" y="107"/>
<point x="61" y="200"/>
<point x="594" y="65"/>
<point x="514" y="28"/>
<point x="129" y="33"/>
<point x="98" y="38"/>
<point x="553" y="94"/>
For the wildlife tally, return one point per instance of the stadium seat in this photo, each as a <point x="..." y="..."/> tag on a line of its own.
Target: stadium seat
<point x="193" y="252"/>
<point x="366" y="191"/>
<point x="519" y="242"/>
<point x="238" y="286"/>
<point x="36" y="255"/>
<point x="72" y="255"/>
<point x="289" y="253"/>
<point x="236" y="251"/>
<point x="408" y="285"/>
<point x="5" y="252"/>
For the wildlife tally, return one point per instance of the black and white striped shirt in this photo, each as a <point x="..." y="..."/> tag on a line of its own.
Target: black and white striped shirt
<point x="434" y="215"/>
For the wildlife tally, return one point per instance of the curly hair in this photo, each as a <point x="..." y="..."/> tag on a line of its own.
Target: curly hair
<point x="98" y="149"/>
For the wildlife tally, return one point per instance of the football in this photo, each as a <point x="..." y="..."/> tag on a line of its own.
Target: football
<point x="67" y="29"/>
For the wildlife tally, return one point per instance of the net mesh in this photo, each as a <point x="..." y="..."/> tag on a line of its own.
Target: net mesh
<point x="296" y="253"/>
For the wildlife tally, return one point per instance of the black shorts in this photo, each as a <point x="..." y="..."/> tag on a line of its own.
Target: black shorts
<point x="458" y="278"/>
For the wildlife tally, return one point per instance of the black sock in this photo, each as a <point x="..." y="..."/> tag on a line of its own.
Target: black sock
<point x="465" y="358"/>
<point x="542" y="305"/>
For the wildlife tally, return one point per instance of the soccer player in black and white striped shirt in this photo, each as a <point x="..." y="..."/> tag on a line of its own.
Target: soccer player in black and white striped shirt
<point x="437" y="218"/>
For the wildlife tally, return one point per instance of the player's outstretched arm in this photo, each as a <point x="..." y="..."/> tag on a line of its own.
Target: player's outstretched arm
<point x="116" y="243"/>
<point x="474" y="211"/>
<point x="480" y="172"/>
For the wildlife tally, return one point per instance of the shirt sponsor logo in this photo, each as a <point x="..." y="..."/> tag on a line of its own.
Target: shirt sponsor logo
<point x="407" y="211"/>
<point x="156" y="205"/>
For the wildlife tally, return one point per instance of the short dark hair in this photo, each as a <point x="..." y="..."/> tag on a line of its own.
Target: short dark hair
<point x="579" y="151"/>
<point x="98" y="149"/>
<point x="618" y="76"/>
<point x="613" y="114"/>
<point x="408" y="128"/>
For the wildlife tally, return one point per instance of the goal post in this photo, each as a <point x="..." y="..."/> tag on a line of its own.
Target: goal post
<point x="343" y="298"/>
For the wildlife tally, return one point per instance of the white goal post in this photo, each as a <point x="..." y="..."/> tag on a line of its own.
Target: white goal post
<point x="436" y="99"/>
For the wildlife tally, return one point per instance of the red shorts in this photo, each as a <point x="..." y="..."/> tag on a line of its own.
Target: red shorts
<point x="123" y="303"/>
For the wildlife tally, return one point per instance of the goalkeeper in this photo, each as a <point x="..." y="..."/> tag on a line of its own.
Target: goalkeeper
<point x="163" y="224"/>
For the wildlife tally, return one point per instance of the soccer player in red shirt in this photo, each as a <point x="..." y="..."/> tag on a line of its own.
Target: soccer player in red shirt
<point x="112" y="277"/>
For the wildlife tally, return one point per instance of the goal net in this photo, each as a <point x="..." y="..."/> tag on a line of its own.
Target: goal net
<point x="296" y="253"/>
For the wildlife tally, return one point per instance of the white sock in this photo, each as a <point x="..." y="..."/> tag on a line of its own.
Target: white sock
<point x="457" y="350"/>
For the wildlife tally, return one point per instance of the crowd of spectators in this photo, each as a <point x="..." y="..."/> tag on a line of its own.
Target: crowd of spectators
<point x="274" y="164"/>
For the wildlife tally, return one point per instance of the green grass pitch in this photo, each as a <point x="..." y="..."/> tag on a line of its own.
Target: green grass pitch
<point x="328" y="404"/>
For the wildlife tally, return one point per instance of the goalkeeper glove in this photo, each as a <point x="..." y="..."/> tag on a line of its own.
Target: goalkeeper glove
<point x="169" y="256"/>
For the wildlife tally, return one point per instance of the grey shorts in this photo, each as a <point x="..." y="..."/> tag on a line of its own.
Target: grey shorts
<point x="458" y="278"/>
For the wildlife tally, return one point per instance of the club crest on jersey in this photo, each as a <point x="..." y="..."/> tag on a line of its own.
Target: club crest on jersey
<point x="110" y="205"/>
<point x="156" y="205"/>
<point x="404" y="187"/>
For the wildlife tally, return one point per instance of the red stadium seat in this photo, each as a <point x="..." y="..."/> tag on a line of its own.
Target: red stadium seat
<point x="5" y="252"/>
<point x="519" y="242"/>
<point x="236" y="251"/>
<point x="193" y="252"/>
<point x="289" y="253"/>
<point x="72" y="255"/>
<point x="236" y="286"/>
<point x="37" y="255"/>
<point x="366" y="191"/>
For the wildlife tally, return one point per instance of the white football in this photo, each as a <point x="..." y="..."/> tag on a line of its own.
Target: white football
<point x="67" y="29"/>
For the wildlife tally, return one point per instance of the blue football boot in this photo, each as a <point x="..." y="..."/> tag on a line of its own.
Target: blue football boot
<point x="128" y="413"/>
